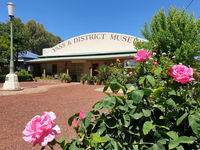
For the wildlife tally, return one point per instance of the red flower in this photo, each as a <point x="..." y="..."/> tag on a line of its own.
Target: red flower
<point x="155" y="63"/>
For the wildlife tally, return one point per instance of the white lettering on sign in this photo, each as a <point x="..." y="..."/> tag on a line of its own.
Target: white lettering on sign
<point x="95" y="36"/>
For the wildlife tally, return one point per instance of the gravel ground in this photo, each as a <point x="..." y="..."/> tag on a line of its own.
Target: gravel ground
<point x="63" y="99"/>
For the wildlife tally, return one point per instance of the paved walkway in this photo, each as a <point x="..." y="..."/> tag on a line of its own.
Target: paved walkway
<point x="18" y="107"/>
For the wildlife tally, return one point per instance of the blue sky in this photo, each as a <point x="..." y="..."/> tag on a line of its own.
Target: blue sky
<point x="69" y="18"/>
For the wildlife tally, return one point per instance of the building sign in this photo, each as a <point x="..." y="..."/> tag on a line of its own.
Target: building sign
<point x="101" y="42"/>
<point x="96" y="36"/>
<point x="129" y="63"/>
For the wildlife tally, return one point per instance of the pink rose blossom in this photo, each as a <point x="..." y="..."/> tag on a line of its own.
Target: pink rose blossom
<point x="41" y="129"/>
<point x="181" y="73"/>
<point x="142" y="55"/>
<point x="82" y="115"/>
<point x="75" y="123"/>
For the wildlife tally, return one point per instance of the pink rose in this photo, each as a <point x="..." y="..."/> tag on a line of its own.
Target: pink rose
<point x="142" y="55"/>
<point x="41" y="129"/>
<point x="82" y="115"/>
<point x="75" y="123"/>
<point x="181" y="73"/>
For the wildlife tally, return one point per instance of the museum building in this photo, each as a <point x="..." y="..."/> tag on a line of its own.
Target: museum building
<point x="84" y="54"/>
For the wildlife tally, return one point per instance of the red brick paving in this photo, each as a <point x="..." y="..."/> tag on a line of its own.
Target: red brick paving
<point x="17" y="110"/>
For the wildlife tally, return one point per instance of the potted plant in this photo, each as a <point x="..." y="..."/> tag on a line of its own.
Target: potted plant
<point x="84" y="78"/>
<point x="65" y="77"/>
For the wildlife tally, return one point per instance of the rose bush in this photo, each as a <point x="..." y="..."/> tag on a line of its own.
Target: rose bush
<point x="159" y="110"/>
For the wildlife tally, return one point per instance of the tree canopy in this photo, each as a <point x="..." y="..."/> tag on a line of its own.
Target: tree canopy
<point x="30" y="36"/>
<point x="176" y="33"/>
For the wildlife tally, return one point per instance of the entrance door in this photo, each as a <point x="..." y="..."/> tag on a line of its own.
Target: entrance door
<point x="75" y="70"/>
<point x="54" y="68"/>
<point x="94" y="67"/>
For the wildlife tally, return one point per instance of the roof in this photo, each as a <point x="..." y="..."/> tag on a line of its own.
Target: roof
<point x="28" y="54"/>
<point x="84" y="57"/>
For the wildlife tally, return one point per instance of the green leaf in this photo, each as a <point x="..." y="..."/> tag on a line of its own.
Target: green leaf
<point x="96" y="138"/>
<point x="186" y="139"/>
<point x="101" y="128"/>
<point x="170" y="102"/>
<point x="151" y="80"/>
<point x="126" y="119"/>
<point x="158" y="146"/>
<point x="147" y="91"/>
<point x="194" y="122"/>
<point x="109" y="103"/>
<point x="173" y="144"/>
<point x="163" y="141"/>
<point x="98" y="105"/>
<point x="115" y="87"/>
<point x="137" y="96"/>
<point x="141" y="80"/>
<point x="179" y="120"/>
<point x="173" y="135"/>
<point x="130" y="104"/>
<point x="158" y="71"/>
<point x="146" y="112"/>
<point x="147" y="127"/>
<point x="180" y="148"/>
<point x="137" y="115"/>
<point x="87" y="119"/>
<point x="73" y="146"/>
<point x="164" y="127"/>
<point x="61" y="141"/>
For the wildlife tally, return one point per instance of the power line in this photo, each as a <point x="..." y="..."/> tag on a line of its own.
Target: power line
<point x="189" y="4"/>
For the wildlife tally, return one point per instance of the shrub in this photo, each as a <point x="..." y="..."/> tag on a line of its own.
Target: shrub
<point x="23" y="75"/>
<point x="65" y="77"/>
<point x="84" y="78"/>
<point x="91" y="79"/>
<point x="2" y="78"/>
<point x="36" y="78"/>
<point x="160" y="112"/>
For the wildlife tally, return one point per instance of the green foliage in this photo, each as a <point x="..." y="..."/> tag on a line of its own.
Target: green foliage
<point x="23" y="75"/>
<point x="115" y="73"/>
<point x="36" y="78"/>
<point x="103" y="73"/>
<point x="176" y="34"/>
<point x="65" y="77"/>
<point x="158" y="113"/>
<point x="39" y="37"/>
<point x="4" y="51"/>
<point x="91" y="79"/>
<point x="29" y="36"/>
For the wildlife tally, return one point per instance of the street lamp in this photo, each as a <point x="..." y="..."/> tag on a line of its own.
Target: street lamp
<point x="11" y="81"/>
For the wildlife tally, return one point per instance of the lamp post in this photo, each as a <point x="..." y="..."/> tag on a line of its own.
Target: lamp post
<point x="11" y="81"/>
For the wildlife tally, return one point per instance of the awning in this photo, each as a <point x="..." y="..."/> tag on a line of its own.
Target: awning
<point x="81" y="57"/>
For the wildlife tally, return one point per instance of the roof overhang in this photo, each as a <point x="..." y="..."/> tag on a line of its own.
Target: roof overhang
<point x="127" y="54"/>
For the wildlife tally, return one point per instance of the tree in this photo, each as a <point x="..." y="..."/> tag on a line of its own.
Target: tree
<point x="177" y="34"/>
<point x="40" y="38"/>
<point x="4" y="51"/>
<point x="26" y="37"/>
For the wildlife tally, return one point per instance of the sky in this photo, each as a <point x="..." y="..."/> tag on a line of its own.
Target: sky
<point x="70" y="18"/>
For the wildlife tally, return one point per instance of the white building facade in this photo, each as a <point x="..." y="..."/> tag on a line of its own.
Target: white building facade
<point x="85" y="53"/>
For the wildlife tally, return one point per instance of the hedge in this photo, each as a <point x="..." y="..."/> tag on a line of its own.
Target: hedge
<point x="20" y="78"/>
